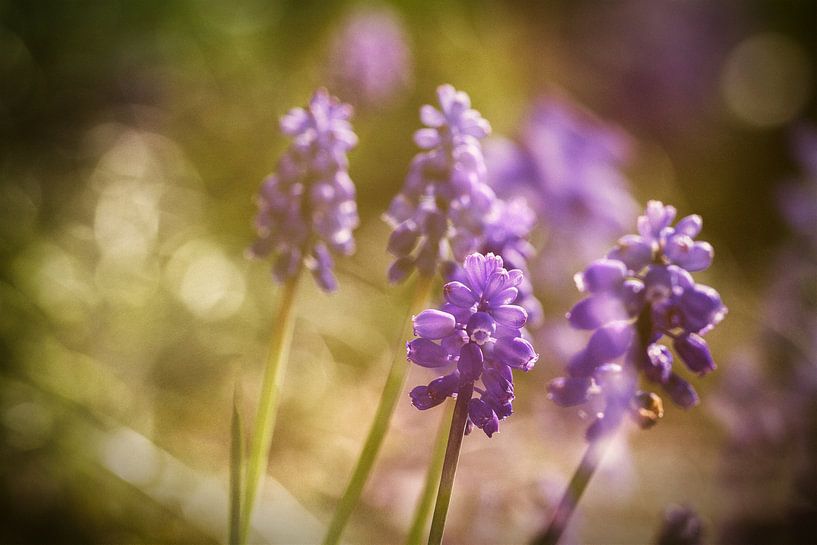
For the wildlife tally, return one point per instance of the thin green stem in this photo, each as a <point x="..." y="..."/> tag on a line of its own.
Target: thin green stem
<point x="452" y="456"/>
<point x="268" y="404"/>
<point x="420" y="523"/>
<point x="578" y="483"/>
<point x="236" y="467"/>
<point x="377" y="433"/>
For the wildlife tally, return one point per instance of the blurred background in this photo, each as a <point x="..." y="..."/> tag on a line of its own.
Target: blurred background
<point x="133" y="136"/>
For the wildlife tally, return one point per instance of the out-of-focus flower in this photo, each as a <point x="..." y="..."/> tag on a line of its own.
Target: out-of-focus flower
<point x="475" y="336"/>
<point x="641" y="292"/>
<point x="370" y="61"/>
<point x="445" y="206"/>
<point x="568" y="167"/>
<point x="681" y="526"/>
<point x="306" y="209"/>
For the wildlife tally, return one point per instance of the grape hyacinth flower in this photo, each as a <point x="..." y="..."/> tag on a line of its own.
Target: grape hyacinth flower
<point x="306" y="209"/>
<point x="306" y="212"/>
<point x="445" y="205"/>
<point x="476" y="337"/>
<point x="370" y="62"/>
<point x="640" y="293"/>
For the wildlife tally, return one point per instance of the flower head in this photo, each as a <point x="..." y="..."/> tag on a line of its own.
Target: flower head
<point x="445" y="204"/>
<point x="370" y="60"/>
<point x="306" y="209"/>
<point x="475" y="336"/>
<point x="639" y="294"/>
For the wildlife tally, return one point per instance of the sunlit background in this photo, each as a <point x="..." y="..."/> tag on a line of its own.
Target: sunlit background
<point x="134" y="135"/>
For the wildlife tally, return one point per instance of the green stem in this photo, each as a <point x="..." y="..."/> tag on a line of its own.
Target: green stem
<point x="452" y="456"/>
<point x="435" y="467"/>
<point x="268" y="404"/>
<point x="236" y="462"/>
<point x="573" y="493"/>
<point x="377" y="433"/>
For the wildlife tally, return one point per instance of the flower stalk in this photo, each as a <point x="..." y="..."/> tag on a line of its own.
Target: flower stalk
<point x="283" y="327"/>
<point x="385" y="409"/>
<point x="452" y="455"/>
<point x="432" y="483"/>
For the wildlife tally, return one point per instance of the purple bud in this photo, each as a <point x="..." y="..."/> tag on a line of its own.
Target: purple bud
<point x="512" y="316"/>
<point x="503" y="297"/>
<point x="403" y="239"/>
<point x="400" y="269"/>
<point x="633" y="251"/>
<point x="581" y="365"/>
<point x="445" y="386"/>
<point x="422" y="399"/>
<point x="692" y="256"/>
<point x="426" y="397"/>
<point x="694" y="351"/>
<point x="701" y="307"/>
<point x="475" y="271"/>
<point x="426" y="353"/>
<point x="610" y="342"/>
<point x="515" y="352"/>
<point x="681" y="392"/>
<point x="499" y="386"/>
<point x="483" y="416"/>
<point x="602" y="275"/>
<point x="459" y="294"/>
<point x="690" y="225"/>
<point x="470" y="362"/>
<point x="569" y="391"/>
<point x="433" y="324"/>
<point x="595" y="311"/>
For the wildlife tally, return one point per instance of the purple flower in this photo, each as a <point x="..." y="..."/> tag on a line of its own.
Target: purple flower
<point x="507" y="236"/>
<point x="475" y="337"/>
<point x="640" y="293"/>
<point x="306" y="209"/>
<point x="445" y="206"/>
<point x="370" y="61"/>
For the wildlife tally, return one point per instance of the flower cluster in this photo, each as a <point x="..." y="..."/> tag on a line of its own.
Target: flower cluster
<point x="370" y="59"/>
<point x="445" y="204"/>
<point x="640" y="293"/>
<point x="475" y="336"/>
<point x="306" y="209"/>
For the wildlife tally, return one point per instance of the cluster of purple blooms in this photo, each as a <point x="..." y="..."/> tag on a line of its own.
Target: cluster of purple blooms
<point x="640" y="293"/>
<point x="475" y="336"/>
<point x="445" y="204"/>
<point x="306" y="209"/>
<point x="370" y="61"/>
